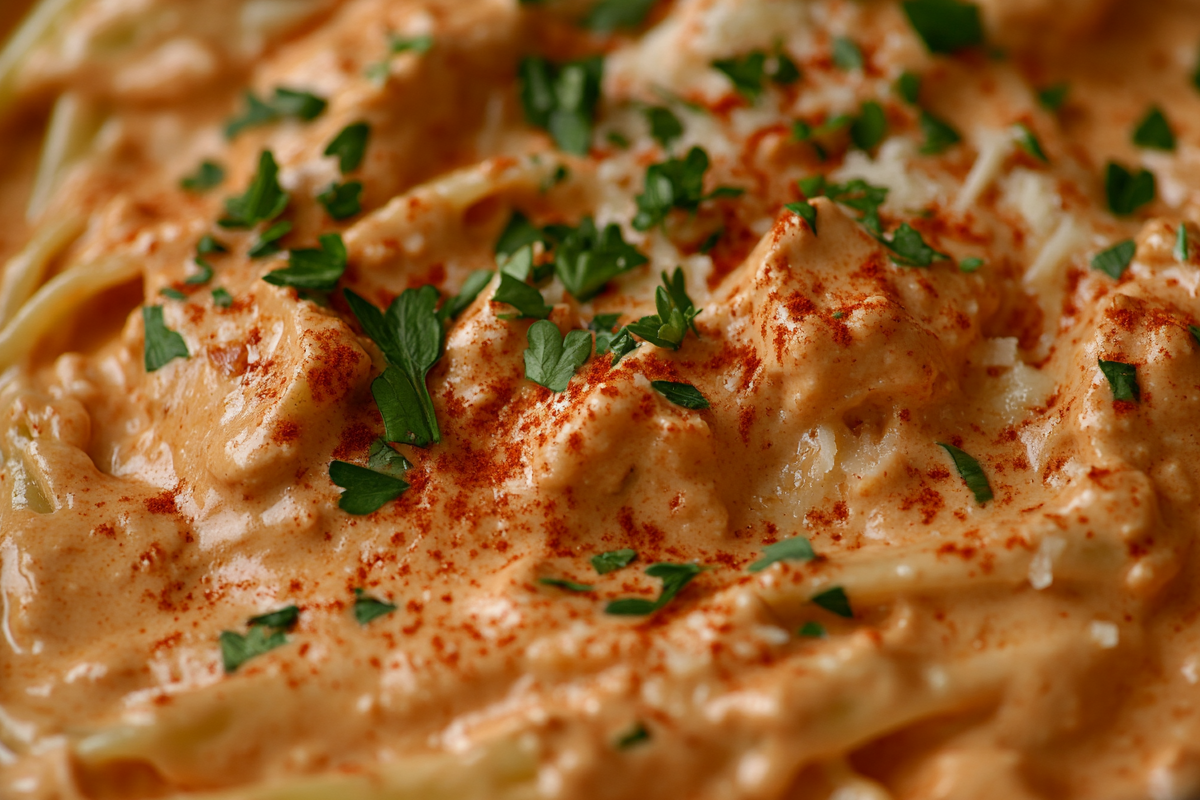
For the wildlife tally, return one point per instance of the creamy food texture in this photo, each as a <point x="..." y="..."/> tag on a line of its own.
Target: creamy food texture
<point x="698" y="398"/>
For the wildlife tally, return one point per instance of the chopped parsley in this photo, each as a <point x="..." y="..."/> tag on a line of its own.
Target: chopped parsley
<point x="1192" y="329"/>
<point x="1154" y="132"/>
<point x="604" y="326"/>
<point x="869" y="127"/>
<point x="812" y="630"/>
<point x="518" y="233"/>
<point x="971" y="264"/>
<point x="794" y="549"/>
<point x="681" y="394"/>
<point x="586" y="259"/>
<point x="1122" y="379"/>
<point x="1127" y="192"/>
<point x="366" y="490"/>
<point x="1028" y="142"/>
<point x="834" y="600"/>
<point x="562" y="99"/>
<point x="676" y="183"/>
<point x="608" y="15"/>
<point x="163" y="345"/>
<point x="207" y="176"/>
<point x="285" y="103"/>
<point x="613" y="560"/>
<point x="971" y="473"/>
<point x="674" y="578"/>
<point x="397" y="44"/>
<point x="410" y="336"/>
<point x="676" y="315"/>
<point x="846" y="54"/>
<point x="665" y="127"/>
<point x="266" y="633"/>
<point x="563" y="583"/>
<point x="173" y="293"/>
<point x="638" y="734"/>
<point x="349" y="146"/>
<point x="342" y="200"/>
<point x="475" y="283"/>
<point x="863" y="197"/>
<point x="806" y="211"/>
<point x="1183" y="249"/>
<point x="552" y="359"/>
<point x="263" y="201"/>
<point x="1116" y="259"/>
<point x="203" y="274"/>
<point x="945" y="26"/>
<point x="267" y="243"/>
<point x="526" y="299"/>
<point x="316" y="269"/>
<point x="221" y="298"/>
<point x="208" y="246"/>
<point x="367" y="608"/>
<point x="712" y="241"/>
<point x="622" y="345"/>
<point x="908" y="248"/>
<point x="939" y="134"/>
<point x="1052" y="97"/>
<point x="908" y="86"/>
<point x="748" y="72"/>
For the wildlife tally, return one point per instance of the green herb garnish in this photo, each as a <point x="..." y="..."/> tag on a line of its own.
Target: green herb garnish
<point x="636" y="735"/>
<point x="604" y="326"/>
<point x="266" y="633"/>
<point x="970" y="264"/>
<point x="794" y="549"/>
<point x="681" y="394"/>
<point x="172" y="293"/>
<point x="518" y="233"/>
<point x="1154" y="131"/>
<point x="869" y="127"/>
<point x="1183" y="249"/>
<point x="1127" y="192"/>
<point x="608" y="15"/>
<point x="366" y="490"/>
<point x="1053" y="97"/>
<point x="945" y="26"/>
<point x="475" y="283"/>
<point x="162" y="344"/>
<point x="676" y="315"/>
<point x="207" y="176"/>
<point x="1122" y="379"/>
<point x="1116" y="259"/>
<point x="526" y="299"/>
<point x="613" y="560"/>
<point x="263" y="201"/>
<point x="316" y="269"/>
<point x="209" y="246"/>
<point x="267" y="243"/>
<point x="909" y="248"/>
<point x="939" y="134"/>
<point x="350" y="145"/>
<point x="674" y="578"/>
<point x="586" y="259"/>
<point x="834" y="600"/>
<point x="552" y="359"/>
<point x="562" y="99"/>
<point x="676" y="183"/>
<point x="570" y="586"/>
<point x="367" y="608"/>
<point x="285" y="103"/>
<point x="806" y="212"/>
<point x="971" y="473"/>
<point x="1028" y="142"/>
<point x="812" y="630"/>
<point x="342" y="200"/>
<point x="204" y="273"/>
<point x="908" y="86"/>
<point x="221" y="298"/>
<point x="665" y="127"/>
<point x="846" y="54"/>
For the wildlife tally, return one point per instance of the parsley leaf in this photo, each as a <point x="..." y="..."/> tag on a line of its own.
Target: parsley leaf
<point x="622" y="345"/>
<point x="971" y="264"/>
<point x="570" y="586"/>
<point x="712" y="241"/>
<point x="405" y="44"/>
<point x="636" y="735"/>
<point x="163" y="345"/>
<point x="1192" y="329"/>
<point x="383" y="458"/>
<point x="1122" y="379"/>
<point x="367" y="608"/>
<point x="1053" y="97"/>
<point x="869" y="127"/>
<point x="267" y="243"/>
<point x="518" y="233"/>
<point x="794" y="549"/>
<point x="562" y="99"/>
<point x="1028" y="142"/>
<point x="676" y="314"/>
<point x="173" y="293"/>
<point x="846" y="55"/>
<point x="263" y="201"/>
<point x="208" y="246"/>
<point x="1116" y="259"/>
<point x="971" y="473"/>
<point x="613" y="560"/>
<point x="552" y="359"/>
<point x="410" y="336"/>
<point x="1182" y="250"/>
<point x="857" y="194"/>
<point x="349" y="146"/>
<point x="939" y="134"/>
<point x="602" y="325"/>
<point x="676" y="183"/>
<point x="909" y="248"/>
<point x="285" y="103"/>
<point x="608" y="15"/>
<point x="342" y="200"/>
<point x="834" y="600"/>
<point x="366" y="490"/>
<point x="674" y="578"/>
<point x="812" y="630"/>
<point x="221" y="298"/>
<point x="908" y="86"/>
<point x="586" y="259"/>
<point x="945" y="26"/>
<point x="526" y="299"/>
<point x="681" y="394"/>
<point x="806" y="212"/>
<point x="1154" y="131"/>
<point x="207" y="176"/>
<point x="745" y="73"/>
<point x="204" y="275"/>
<point x="665" y="127"/>
<point x="315" y="269"/>
<point x="1125" y="191"/>
<point x="265" y="634"/>
<point x="475" y="283"/>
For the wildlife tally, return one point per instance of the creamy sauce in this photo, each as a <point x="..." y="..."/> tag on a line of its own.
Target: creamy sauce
<point x="1041" y="644"/>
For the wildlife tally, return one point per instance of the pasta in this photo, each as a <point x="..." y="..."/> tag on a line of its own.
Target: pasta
<point x="714" y="399"/>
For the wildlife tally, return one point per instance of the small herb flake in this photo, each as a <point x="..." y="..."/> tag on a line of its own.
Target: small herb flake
<point x="1053" y="97"/>
<point x="264" y="199"/>
<point x="1122" y="379"/>
<point x="552" y="359"/>
<point x="846" y="54"/>
<point x="745" y="73"/>
<point x="1154" y="132"/>
<point x="172" y="293"/>
<point x="1116" y="259"/>
<point x="1127" y="192"/>
<point x="1183" y="249"/>
<point x="834" y="600"/>
<point x="570" y="586"/>
<point x="636" y="735"/>
<point x="806" y="211"/>
<point x="969" y="265"/>
<point x="665" y="127"/>
<point x="349" y="146"/>
<point x="676" y="183"/>
<point x="939" y="134"/>
<point x="267" y="632"/>
<point x="203" y="274"/>
<point x="971" y="473"/>
<point x="908" y="248"/>
<point x="795" y="549"/>
<point x="1028" y="142"/>
<point x="945" y="26"/>
<point x="209" y="246"/>
<point x="812" y="630"/>
<point x="221" y="298"/>
<point x="526" y="299"/>
<point x="366" y="491"/>
<point x="674" y="578"/>
<point x="908" y="86"/>
<point x="267" y="243"/>
<point x="318" y="270"/>
<point x="869" y="127"/>
<point x="613" y="560"/>
<point x="163" y="345"/>
<point x="609" y="15"/>
<point x="367" y="608"/>
<point x="207" y="176"/>
<point x="562" y="99"/>
<point x="586" y="258"/>
<point x="681" y="394"/>
<point x="475" y="283"/>
<point x="342" y="200"/>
